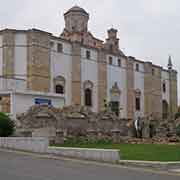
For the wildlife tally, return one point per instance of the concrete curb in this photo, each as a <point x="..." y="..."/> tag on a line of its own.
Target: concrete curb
<point x="151" y="164"/>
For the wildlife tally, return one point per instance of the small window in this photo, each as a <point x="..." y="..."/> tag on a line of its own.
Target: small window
<point x="88" y="54"/>
<point x="59" y="47"/>
<point x="88" y="97"/>
<point x="119" y="62"/>
<point x="51" y="44"/>
<point x="110" y="60"/>
<point x="137" y="67"/>
<point x="153" y="71"/>
<point x="138" y="104"/>
<point x="59" y="89"/>
<point x="164" y="87"/>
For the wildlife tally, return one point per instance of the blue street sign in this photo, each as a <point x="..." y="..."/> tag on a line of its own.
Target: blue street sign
<point x="39" y="101"/>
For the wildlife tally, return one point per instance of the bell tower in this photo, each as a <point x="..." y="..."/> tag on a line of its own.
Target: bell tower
<point x="112" y="42"/>
<point x="76" y="20"/>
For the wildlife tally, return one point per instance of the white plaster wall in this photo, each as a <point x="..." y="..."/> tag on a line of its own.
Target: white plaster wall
<point x="61" y="65"/>
<point x="20" y="61"/>
<point x="139" y="83"/>
<point x="166" y="95"/>
<point x="22" y="102"/>
<point x="1" y="61"/>
<point x="89" y="71"/>
<point x="118" y="74"/>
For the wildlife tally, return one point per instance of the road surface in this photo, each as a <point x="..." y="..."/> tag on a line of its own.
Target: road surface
<point x="20" y="166"/>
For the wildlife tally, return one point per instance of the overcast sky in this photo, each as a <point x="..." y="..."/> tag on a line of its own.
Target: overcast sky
<point x="148" y="29"/>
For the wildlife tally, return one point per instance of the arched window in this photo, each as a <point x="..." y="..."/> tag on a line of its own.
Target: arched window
<point x="59" y="89"/>
<point x="88" y="97"/>
<point x="137" y="100"/>
<point x="164" y="87"/>
<point x="59" y="85"/>
<point x="88" y="93"/>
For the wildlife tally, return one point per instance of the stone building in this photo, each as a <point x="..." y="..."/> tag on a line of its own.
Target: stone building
<point x="37" y="67"/>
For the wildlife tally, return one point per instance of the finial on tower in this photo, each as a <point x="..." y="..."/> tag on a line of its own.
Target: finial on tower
<point x="170" y="65"/>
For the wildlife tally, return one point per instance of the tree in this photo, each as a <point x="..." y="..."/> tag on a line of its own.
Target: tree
<point x="7" y="126"/>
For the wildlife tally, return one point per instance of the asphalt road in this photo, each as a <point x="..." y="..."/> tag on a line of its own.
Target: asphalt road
<point x="15" y="166"/>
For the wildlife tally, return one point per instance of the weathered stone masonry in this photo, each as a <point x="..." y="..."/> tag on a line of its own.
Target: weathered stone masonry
<point x="38" y="68"/>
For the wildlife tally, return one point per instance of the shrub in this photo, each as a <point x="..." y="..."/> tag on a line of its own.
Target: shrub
<point x="7" y="126"/>
<point x="178" y="130"/>
<point x="84" y="140"/>
<point x="177" y="115"/>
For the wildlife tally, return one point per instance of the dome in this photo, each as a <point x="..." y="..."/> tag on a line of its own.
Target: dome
<point x="76" y="9"/>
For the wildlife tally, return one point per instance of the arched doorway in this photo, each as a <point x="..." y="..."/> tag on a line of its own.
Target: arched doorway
<point x="165" y="108"/>
<point x="88" y="97"/>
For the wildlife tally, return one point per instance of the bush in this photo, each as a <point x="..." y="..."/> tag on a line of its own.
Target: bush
<point x="7" y="126"/>
<point x="178" y="130"/>
<point x="177" y="115"/>
<point x="84" y="140"/>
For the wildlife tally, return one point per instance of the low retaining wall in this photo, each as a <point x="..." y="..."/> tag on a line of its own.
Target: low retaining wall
<point x="105" y="155"/>
<point x="41" y="145"/>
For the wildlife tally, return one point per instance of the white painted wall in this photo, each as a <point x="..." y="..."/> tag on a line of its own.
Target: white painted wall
<point x="20" y="61"/>
<point x="89" y="71"/>
<point x="61" y="65"/>
<point x="22" y="102"/>
<point x="139" y="83"/>
<point x="118" y="74"/>
<point x="166" y="95"/>
<point x="1" y="60"/>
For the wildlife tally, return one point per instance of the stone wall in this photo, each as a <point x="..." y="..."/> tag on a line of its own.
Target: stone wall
<point x="173" y="93"/>
<point x="38" y="61"/>
<point x="8" y="53"/>
<point x="102" y="80"/>
<point x="73" y="121"/>
<point x="152" y="91"/>
<point x="76" y="74"/>
<point x="80" y="122"/>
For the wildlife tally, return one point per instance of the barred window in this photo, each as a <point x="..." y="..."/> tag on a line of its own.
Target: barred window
<point x="59" y="89"/>
<point x="88" y="54"/>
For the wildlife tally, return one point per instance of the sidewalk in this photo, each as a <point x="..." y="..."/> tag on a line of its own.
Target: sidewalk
<point x="152" y="164"/>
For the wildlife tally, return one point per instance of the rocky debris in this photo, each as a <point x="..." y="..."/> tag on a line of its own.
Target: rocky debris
<point x="78" y="121"/>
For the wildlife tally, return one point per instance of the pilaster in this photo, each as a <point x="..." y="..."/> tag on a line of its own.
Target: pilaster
<point x="76" y="73"/>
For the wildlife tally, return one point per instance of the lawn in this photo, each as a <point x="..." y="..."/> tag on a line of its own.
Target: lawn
<point x="146" y="152"/>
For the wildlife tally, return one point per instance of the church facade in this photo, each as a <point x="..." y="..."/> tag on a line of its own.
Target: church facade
<point x="37" y="67"/>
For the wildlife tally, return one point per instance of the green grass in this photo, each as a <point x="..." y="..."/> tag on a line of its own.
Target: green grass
<point x="144" y="152"/>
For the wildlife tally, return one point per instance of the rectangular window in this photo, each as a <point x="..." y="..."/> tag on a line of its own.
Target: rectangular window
<point x="110" y="60"/>
<point x="59" y="47"/>
<point x="138" y="104"/>
<point x="51" y="44"/>
<point x="119" y="62"/>
<point x="137" y="67"/>
<point x="88" y="55"/>
<point x="153" y="71"/>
